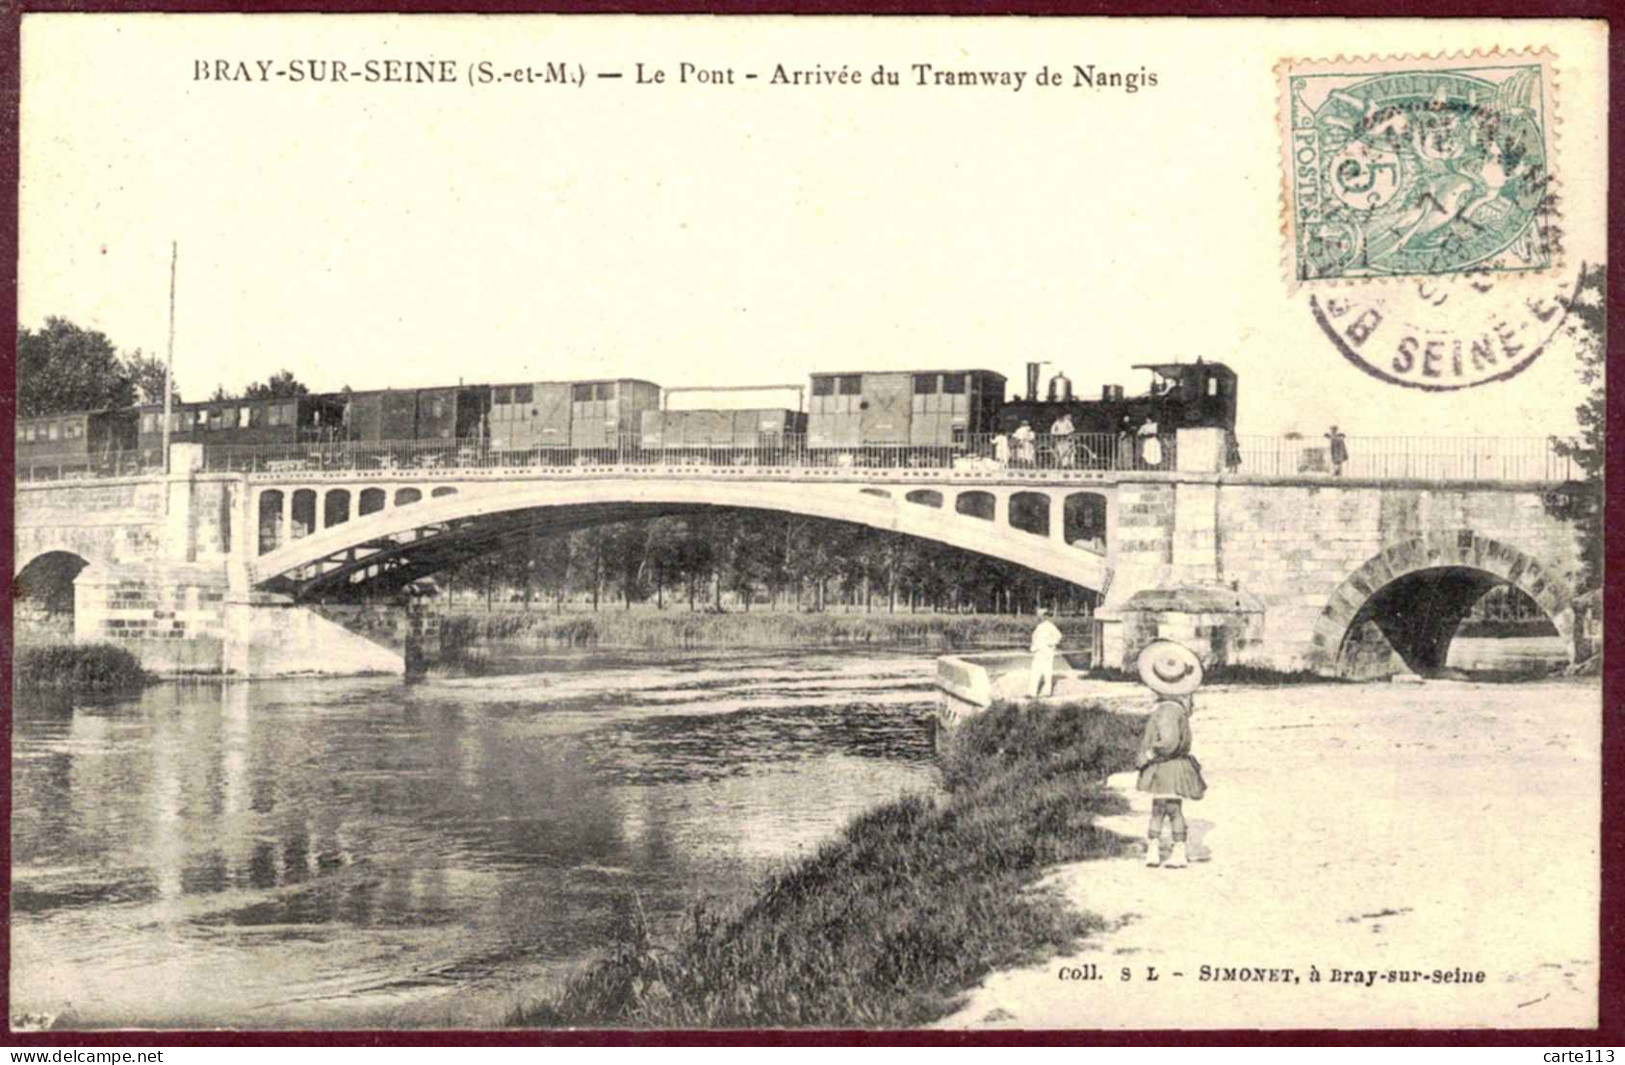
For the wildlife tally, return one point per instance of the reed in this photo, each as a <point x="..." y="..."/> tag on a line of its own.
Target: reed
<point x="888" y="924"/>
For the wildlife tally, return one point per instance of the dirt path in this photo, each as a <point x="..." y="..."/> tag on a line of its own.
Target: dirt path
<point x="1426" y="827"/>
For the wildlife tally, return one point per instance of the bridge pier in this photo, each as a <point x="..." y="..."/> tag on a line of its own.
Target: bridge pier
<point x="267" y="635"/>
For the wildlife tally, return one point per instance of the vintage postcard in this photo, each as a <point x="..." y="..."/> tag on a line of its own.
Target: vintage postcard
<point x="537" y="521"/>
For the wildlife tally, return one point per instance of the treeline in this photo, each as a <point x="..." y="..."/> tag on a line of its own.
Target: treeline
<point x="744" y="560"/>
<point x="63" y="368"/>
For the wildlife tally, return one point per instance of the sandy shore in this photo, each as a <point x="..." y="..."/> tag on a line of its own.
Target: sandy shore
<point x="1381" y="829"/>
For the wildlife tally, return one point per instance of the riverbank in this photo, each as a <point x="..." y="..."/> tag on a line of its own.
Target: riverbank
<point x="92" y="668"/>
<point x="1417" y="829"/>
<point x="652" y="630"/>
<point x="891" y="922"/>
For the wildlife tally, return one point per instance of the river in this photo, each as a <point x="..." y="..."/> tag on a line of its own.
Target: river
<point x="353" y="853"/>
<point x="358" y="853"/>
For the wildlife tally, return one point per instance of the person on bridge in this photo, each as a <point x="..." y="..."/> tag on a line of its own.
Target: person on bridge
<point x="1065" y="446"/>
<point x="1024" y="438"/>
<point x="1168" y="770"/>
<point x="1339" y="450"/>
<point x="1046" y="638"/>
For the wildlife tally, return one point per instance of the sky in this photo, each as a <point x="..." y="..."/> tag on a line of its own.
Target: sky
<point x="397" y="235"/>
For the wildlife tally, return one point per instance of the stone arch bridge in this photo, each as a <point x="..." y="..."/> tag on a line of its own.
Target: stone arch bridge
<point x="220" y="572"/>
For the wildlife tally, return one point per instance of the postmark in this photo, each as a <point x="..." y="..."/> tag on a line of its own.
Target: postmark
<point x="1442" y="334"/>
<point x="1415" y="167"/>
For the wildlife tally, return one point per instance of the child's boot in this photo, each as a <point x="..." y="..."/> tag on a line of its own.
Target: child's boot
<point x="1177" y="859"/>
<point x="1153" y="851"/>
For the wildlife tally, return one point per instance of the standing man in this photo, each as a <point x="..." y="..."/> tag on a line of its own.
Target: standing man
<point x="1065" y="446"/>
<point x="1046" y="638"/>
<point x="1339" y="450"/>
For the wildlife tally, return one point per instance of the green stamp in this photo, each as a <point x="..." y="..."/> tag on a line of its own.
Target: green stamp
<point x="1408" y="168"/>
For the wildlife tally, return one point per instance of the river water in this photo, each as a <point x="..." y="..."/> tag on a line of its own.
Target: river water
<point x="321" y="853"/>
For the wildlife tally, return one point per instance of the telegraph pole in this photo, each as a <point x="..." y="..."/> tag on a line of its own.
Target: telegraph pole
<point x="169" y="362"/>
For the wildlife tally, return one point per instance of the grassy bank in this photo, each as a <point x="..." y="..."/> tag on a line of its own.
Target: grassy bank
<point x="76" y="667"/>
<point x="1252" y="676"/>
<point x="891" y="922"/>
<point x="682" y="629"/>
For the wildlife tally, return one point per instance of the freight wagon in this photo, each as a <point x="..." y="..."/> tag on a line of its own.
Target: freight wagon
<point x="569" y="414"/>
<point x="426" y="415"/>
<point x="921" y="408"/>
<point x="742" y="436"/>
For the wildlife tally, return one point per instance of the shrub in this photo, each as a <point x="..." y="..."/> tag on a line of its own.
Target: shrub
<point x="88" y="667"/>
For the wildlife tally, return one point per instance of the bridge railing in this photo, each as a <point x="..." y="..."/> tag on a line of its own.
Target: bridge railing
<point x="1430" y="458"/>
<point x="85" y="467"/>
<point x="1397" y="458"/>
<point x="1375" y="457"/>
<point x="1082" y="451"/>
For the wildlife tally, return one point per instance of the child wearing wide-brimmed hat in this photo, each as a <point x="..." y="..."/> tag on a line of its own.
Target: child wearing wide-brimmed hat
<point x="1168" y="771"/>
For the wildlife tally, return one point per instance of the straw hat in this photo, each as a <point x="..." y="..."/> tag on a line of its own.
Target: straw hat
<point x="1169" y="668"/>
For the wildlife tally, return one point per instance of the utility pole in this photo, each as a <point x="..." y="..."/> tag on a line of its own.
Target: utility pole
<point x="169" y="362"/>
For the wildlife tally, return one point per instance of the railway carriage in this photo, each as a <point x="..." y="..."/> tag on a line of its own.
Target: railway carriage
<point x="77" y="443"/>
<point x="284" y="421"/>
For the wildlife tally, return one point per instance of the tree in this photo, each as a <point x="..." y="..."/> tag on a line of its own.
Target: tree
<point x="280" y="385"/>
<point x="64" y="368"/>
<point x="1587" y="324"/>
<point x="146" y="373"/>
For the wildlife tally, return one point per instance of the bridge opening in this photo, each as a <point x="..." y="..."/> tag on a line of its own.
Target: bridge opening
<point x="42" y="594"/>
<point x="975" y="505"/>
<point x="925" y="497"/>
<point x="304" y="512"/>
<point x="1418" y="616"/>
<point x="270" y="520"/>
<point x="372" y="501"/>
<point x="335" y="507"/>
<point x="1084" y="515"/>
<point x="1029" y="512"/>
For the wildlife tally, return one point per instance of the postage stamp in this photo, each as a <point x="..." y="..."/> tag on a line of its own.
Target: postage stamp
<point x="1413" y="167"/>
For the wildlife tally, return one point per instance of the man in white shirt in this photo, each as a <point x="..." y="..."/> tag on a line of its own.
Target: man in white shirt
<point x="1046" y="638"/>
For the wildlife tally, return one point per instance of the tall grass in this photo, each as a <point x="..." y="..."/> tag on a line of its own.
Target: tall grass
<point x="681" y="629"/>
<point x="79" y="667"/>
<point x="891" y="922"/>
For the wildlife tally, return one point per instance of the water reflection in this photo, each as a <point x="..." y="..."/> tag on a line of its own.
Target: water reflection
<point x="321" y="853"/>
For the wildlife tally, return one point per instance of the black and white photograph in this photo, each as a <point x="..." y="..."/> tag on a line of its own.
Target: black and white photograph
<point x="673" y="523"/>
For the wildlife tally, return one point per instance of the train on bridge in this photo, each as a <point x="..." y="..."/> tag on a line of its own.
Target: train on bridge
<point x="954" y="412"/>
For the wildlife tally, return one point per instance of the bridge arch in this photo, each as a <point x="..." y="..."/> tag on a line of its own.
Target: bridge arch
<point x="421" y="537"/>
<point x="1416" y="593"/>
<point x="42" y="590"/>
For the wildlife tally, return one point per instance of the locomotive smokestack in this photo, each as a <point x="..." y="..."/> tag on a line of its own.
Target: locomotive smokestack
<point x="1032" y="381"/>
